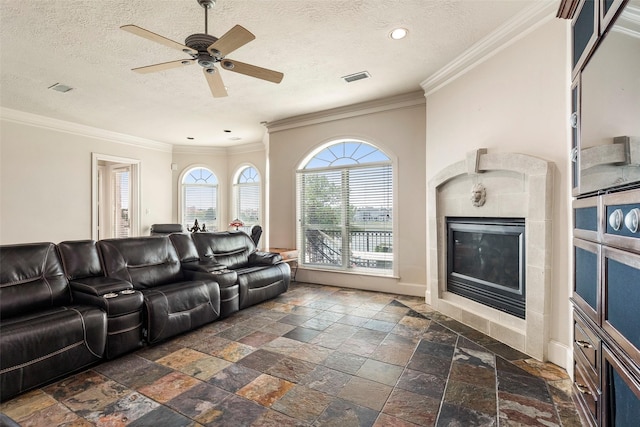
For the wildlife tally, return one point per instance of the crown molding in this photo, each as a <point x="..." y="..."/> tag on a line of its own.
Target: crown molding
<point x="35" y="120"/>
<point x="522" y="24"/>
<point x="410" y="99"/>
<point x="567" y="8"/>
<point x="234" y="149"/>
<point x="246" y="148"/>
<point x="628" y="23"/>
<point x="197" y="149"/>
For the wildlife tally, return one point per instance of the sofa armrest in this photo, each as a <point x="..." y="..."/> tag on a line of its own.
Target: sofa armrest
<point x="99" y="286"/>
<point x="116" y="297"/>
<point x="207" y="266"/>
<point x="224" y="278"/>
<point x="264" y="258"/>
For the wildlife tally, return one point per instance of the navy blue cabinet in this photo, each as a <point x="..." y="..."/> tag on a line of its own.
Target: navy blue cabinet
<point x="584" y="31"/>
<point x="605" y="176"/>
<point x="606" y="299"/>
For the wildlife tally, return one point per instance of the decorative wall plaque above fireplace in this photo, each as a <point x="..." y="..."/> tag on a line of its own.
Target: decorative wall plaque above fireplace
<point x="486" y="261"/>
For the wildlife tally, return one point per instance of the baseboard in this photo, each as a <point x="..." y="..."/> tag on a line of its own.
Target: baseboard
<point x="561" y="355"/>
<point x="363" y="282"/>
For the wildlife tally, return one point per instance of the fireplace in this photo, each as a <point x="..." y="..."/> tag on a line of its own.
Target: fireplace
<point x="486" y="261"/>
<point x="516" y="186"/>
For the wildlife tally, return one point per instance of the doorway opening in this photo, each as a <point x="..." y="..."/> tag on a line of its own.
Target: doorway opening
<point x="115" y="197"/>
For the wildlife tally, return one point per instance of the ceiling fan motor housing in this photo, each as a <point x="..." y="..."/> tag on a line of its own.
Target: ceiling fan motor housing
<point x="207" y="4"/>
<point x="201" y="42"/>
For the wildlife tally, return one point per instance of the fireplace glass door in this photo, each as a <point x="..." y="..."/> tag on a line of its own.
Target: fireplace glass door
<point x="486" y="263"/>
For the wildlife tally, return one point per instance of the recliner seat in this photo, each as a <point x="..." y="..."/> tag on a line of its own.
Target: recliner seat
<point x="175" y="300"/>
<point x="227" y="279"/>
<point x="89" y="285"/>
<point x="261" y="275"/>
<point x="44" y="334"/>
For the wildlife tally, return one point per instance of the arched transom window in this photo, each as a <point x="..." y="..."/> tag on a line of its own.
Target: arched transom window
<point x="345" y="208"/>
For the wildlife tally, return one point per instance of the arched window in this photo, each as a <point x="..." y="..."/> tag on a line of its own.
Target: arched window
<point x="200" y="198"/>
<point x="246" y="195"/>
<point x="345" y="208"/>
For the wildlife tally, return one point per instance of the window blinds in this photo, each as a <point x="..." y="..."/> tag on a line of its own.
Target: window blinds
<point x="346" y="217"/>
<point x="247" y="198"/>
<point x="121" y="221"/>
<point x="200" y="202"/>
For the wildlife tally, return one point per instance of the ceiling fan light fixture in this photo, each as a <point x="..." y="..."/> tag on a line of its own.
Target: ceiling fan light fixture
<point x="228" y="65"/>
<point x="398" y="33"/>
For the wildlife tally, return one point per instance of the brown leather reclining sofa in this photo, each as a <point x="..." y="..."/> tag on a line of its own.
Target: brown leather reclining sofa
<point x="65" y="307"/>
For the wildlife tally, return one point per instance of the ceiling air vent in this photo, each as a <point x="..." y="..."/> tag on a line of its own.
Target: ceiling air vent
<point x="60" y="87"/>
<point x="355" y="77"/>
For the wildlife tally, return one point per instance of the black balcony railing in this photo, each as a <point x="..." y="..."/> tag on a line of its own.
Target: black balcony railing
<point x="368" y="249"/>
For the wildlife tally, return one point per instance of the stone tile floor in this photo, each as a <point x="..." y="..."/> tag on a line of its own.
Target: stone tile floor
<point x="316" y="355"/>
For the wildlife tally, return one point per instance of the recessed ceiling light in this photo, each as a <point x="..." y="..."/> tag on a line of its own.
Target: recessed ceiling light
<point x="227" y="131"/>
<point x="398" y="33"/>
<point x="190" y="138"/>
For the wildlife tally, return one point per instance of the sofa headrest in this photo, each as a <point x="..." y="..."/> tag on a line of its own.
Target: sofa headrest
<point x="31" y="279"/>
<point x="80" y="259"/>
<point x="163" y="229"/>
<point x="256" y="232"/>
<point x="185" y="247"/>
<point x="229" y="248"/>
<point x="145" y="262"/>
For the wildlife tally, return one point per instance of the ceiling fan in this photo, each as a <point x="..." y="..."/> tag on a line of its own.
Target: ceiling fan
<point x="207" y="51"/>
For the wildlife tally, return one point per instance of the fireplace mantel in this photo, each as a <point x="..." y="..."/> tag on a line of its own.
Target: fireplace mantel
<point x="516" y="185"/>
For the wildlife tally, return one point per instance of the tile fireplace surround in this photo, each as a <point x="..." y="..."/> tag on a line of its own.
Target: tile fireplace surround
<point x="517" y="186"/>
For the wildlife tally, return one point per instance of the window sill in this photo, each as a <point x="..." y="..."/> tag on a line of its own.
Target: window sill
<point x="349" y="272"/>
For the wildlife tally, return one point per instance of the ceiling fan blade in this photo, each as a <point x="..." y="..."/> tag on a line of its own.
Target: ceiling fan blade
<point x="252" y="70"/>
<point x="231" y="40"/>
<point x="134" y="29"/>
<point x="163" y="66"/>
<point x="215" y="82"/>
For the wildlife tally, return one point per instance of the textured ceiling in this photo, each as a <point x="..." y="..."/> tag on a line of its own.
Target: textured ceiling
<point x="79" y="43"/>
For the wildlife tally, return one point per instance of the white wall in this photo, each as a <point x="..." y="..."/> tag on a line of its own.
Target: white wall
<point x="399" y="132"/>
<point x="45" y="182"/>
<point x="515" y="101"/>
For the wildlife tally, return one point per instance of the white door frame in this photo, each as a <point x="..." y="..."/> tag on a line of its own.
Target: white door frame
<point x="135" y="214"/>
